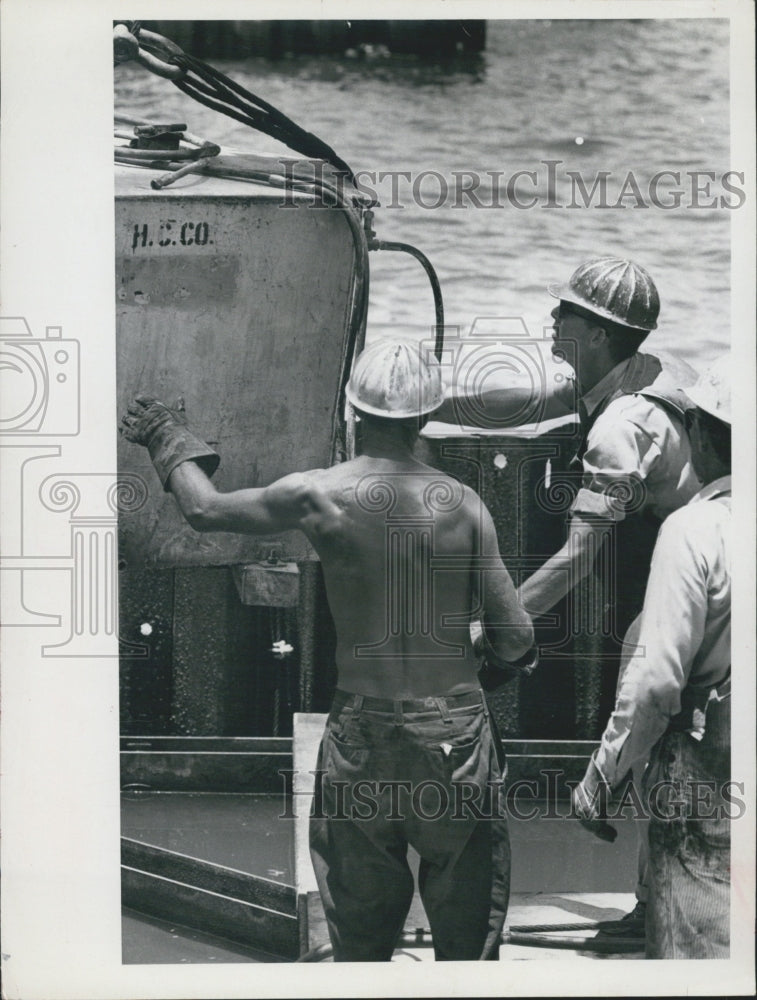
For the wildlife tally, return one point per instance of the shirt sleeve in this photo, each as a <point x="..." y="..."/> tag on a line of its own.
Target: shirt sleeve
<point x="660" y="646"/>
<point x="619" y="456"/>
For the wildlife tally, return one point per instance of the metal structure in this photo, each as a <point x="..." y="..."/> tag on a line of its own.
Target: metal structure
<point x="242" y="288"/>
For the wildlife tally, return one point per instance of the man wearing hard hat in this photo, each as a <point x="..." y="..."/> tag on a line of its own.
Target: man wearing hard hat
<point x="634" y="456"/>
<point x="633" y="464"/>
<point x="633" y="461"/>
<point x="408" y="756"/>
<point x="673" y="700"/>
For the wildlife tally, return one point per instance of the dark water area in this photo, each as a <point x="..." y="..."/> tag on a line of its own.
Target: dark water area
<point x="639" y="106"/>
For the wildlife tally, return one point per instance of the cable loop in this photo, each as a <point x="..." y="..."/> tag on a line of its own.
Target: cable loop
<point x="131" y="42"/>
<point x="217" y="91"/>
<point x="158" y="43"/>
<point x="157" y="66"/>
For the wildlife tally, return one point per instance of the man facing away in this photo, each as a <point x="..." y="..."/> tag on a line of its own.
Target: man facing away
<point x="409" y="557"/>
<point x="673" y="703"/>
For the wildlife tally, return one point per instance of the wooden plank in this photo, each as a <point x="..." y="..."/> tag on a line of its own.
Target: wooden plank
<point x="318" y="932"/>
<point x="213" y="913"/>
<point x="549" y="763"/>
<point x="303" y="922"/>
<point x="308" y="730"/>
<point x="206" y="875"/>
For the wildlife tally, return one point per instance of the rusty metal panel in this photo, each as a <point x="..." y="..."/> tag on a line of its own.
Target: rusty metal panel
<point x="145" y="610"/>
<point x="227" y="680"/>
<point x="316" y="642"/>
<point x="215" y="654"/>
<point x="209" y="665"/>
<point x="239" y="305"/>
<point x="219" y="765"/>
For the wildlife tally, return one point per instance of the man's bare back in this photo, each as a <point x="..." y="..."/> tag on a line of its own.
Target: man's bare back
<point x="409" y="554"/>
<point x="396" y="540"/>
<point x="409" y="557"/>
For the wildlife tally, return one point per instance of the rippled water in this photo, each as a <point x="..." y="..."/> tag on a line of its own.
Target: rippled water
<point x="643" y="96"/>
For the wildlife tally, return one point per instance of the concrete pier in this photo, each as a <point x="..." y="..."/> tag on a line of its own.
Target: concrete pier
<point x="277" y="39"/>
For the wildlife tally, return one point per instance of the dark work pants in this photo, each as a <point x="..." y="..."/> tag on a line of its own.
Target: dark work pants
<point x="688" y="914"/>
<point x="426" y="773"/>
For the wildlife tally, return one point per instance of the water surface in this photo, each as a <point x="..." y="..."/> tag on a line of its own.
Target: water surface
<point x="642" y="96"/>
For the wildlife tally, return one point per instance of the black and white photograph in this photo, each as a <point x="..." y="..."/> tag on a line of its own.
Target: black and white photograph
<point x="368" y="529"/>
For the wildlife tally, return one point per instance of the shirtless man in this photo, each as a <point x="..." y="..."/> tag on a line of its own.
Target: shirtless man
<point x="409" y="557"/>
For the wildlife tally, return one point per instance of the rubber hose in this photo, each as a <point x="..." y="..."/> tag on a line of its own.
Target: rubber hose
<point x="435" y="286"/>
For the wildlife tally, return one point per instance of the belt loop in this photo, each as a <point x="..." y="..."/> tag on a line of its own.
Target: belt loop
<point x="357" y="705"/>
<point x="441" y="704"/>
<point x="398" y="717"/>
<point x="484" y="703"/>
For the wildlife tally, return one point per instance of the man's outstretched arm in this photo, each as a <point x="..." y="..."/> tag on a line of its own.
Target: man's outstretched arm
<point x="507" y="631"/>
<point x="184" y="464"/>
<point x="283" y="505"/>
<point x="566" y="568"/>
<point x="507" y="405"/>
<point x="619" y="458"/>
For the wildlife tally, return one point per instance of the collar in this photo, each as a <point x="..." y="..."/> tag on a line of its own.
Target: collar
<point x="606" y="386"/>
<point x="713" y="489"/>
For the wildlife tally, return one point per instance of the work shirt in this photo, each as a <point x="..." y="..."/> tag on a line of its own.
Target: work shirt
<point x="637" y="453"/>
<point x="683" y="634"/>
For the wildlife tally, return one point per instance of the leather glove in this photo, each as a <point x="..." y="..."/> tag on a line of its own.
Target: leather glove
<point x="590" y="801"/>
<point x="492" y="677"/>
<point x="495" y="671"/>
<point x="165" y="434"/>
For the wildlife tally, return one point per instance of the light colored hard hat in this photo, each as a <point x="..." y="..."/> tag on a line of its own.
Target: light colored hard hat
<point x="613" y="289"/>
<point x="392" y="378"/>
<point x="712" y="391"/>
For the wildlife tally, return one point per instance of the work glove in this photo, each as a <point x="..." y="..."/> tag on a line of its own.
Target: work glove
<point x="165" y="434"/>
<point x="494" y="671"/>
<point x="589" y="803"/>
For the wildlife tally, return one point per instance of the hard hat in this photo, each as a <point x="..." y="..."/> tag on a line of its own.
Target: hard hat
<point x="615" y="289"/>
<point x="392" y="378"/>
<point x="712" y="392"/>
